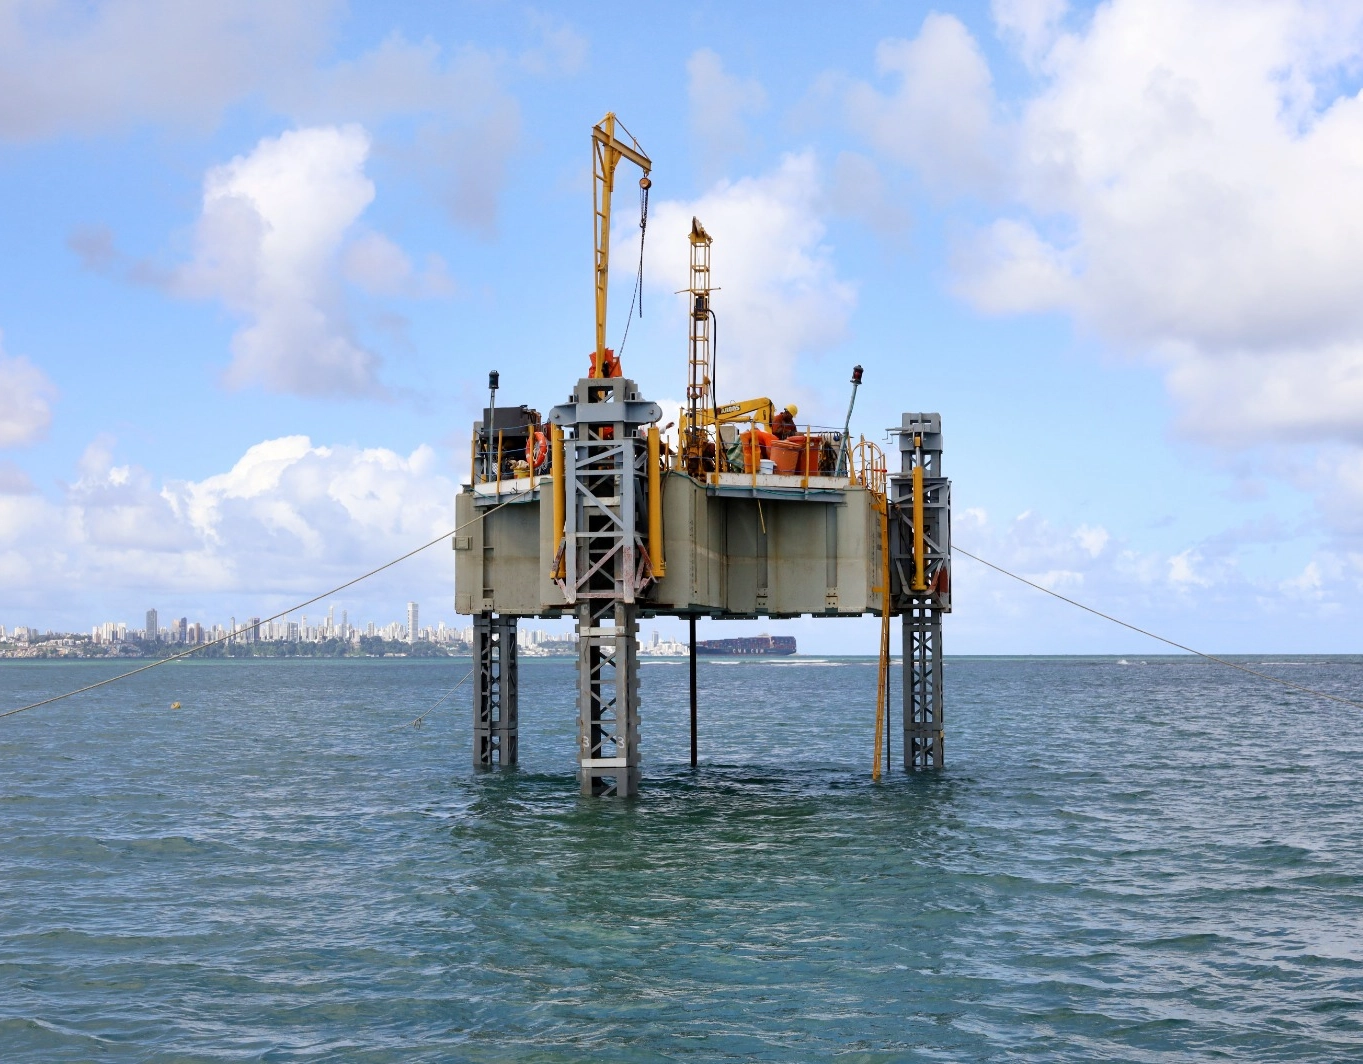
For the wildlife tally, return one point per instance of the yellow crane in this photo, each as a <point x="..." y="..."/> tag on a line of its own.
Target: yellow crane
<point x="607" y="151"/>
<point x="761" y="411"/>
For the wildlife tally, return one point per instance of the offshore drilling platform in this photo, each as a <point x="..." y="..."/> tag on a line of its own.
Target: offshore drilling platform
<point x="587" y="511"/>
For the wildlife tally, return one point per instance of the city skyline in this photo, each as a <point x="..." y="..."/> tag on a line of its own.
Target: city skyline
<point x="182" y="631"/>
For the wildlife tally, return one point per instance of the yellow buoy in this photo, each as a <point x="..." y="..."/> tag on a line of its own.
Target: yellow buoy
<point x="175" y="705"/>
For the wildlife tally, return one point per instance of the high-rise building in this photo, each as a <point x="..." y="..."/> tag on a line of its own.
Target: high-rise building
<point x="253" y="635"/>
<point x="153" y="632"/>
<point x="411" y="622"/>
<point x="182" y="630"/>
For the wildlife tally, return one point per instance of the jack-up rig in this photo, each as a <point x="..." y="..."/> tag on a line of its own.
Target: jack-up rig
<point x="588" y="512"/>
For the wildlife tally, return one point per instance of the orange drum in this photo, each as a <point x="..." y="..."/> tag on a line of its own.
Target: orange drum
<point x="787" y="455"/>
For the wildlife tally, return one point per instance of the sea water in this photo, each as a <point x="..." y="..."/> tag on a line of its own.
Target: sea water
<point x="1149" y="860"/>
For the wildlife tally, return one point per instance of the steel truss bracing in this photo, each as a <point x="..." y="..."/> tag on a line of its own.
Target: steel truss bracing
<point x="923" y="743"/>
<point x="608" y="698"/>
<point x="920" y="554"/>
<point x="495" y="692"/>
<point x="606" y="571"/>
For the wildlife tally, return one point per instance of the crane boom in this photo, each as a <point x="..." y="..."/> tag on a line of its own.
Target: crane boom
<point x="607" y="151"/>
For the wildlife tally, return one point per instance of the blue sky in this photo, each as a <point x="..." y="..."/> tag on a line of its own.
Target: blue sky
<point x="258" y="260"/>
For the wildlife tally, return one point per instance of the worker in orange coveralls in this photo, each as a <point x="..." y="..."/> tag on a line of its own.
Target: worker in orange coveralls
<point x="783" y="424"/>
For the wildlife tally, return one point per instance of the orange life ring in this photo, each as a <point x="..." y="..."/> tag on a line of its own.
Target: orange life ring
<point x="537" y="450"/>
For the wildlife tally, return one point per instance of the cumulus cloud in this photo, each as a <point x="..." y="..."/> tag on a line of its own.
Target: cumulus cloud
<point x="375" y="264"/>
<point x="86" y="68"/>
<point x="290" y="517"/>
<point x="26" y="396"/>
<point x="1184" y="182"/>
<point x="782" y="298"/>
<point x="1030" y="25"/>
<point x="1180" y="178"/>
<point x="720" y="104"/>
<point x="858" y="190"/>
<point x="267" y="245"/>
<point x="1181" y="591"/>
<point x="460" y="125"/>
<point x="560" y="50"/>
<point x="938" y="114"/>
<point x="92" y="67"/>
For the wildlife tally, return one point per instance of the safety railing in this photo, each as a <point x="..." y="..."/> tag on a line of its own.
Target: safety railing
<point x="868" y="467"/>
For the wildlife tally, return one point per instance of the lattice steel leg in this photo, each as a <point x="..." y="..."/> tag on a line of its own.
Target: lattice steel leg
<point x="495" y="693"/>
<point x="923" y="744"/>
<point x="608" y="698"/>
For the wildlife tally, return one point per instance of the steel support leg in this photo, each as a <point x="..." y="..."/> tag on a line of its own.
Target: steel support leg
<point x="923" y="687"/>
<point x="693" y="690"/>
<point x="495" y="694"/>
<point x="608" y="698"/>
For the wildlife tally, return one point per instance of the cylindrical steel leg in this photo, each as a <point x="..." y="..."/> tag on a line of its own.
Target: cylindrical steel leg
<point x="693" y="691"/>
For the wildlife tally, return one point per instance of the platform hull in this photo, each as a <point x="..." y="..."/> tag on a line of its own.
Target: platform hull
<point x="760" y="548"/>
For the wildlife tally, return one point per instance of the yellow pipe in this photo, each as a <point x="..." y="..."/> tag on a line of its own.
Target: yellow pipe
<point x="883" y="674"/>
<point x="556" y="472"/>
<point x="804" y="484"/>
<point x="655" y="506"/>
<point x="919" y="581"/>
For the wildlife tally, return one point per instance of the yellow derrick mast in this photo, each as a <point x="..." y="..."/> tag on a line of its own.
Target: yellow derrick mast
<point x="698" y="400"/>
<point x="607" y="151"/>
<point x="702" y="450"/>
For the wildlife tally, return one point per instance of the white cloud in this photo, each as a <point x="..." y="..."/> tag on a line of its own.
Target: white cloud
<point x="1008" y="268"/>
<point x="1183" y="570"/>
<point x="26" y="396"/>
<point x="376" y="265"/>
<point x="720" y="104"/>
<point x="268" y="244"/>
<point x="68" y="66"/>
<point x="939" y="116"/>
<point x="1183" y="180"/>
<point x="858" y="190"/>
<point x="289" y="518"/>
<point x="14" y="481"/>
<point x="1185" y="186"/>
<point x="561" y="49"/>
<point x="1181" y="593"/>
<point x="460" y="125"/>
<point x="782" y="298"/>
<point x="1092" y="539"/>
<point x="1032" y="25"/>
<point x="1307" y="584"/>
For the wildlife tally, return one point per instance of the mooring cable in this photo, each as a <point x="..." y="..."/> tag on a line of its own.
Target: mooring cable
<point x="419" y="721"/>
<point x="283" y="613"/>
<point x="1159" y="638"/>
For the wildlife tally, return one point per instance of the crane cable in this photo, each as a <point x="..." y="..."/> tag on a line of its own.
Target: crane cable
<point x="283" y="613"/>
<point x="638" y="295"/>
<point x="1159" y="638"/>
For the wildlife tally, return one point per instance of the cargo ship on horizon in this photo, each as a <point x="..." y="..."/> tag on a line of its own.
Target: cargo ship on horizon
<point x="748" y="645"/>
